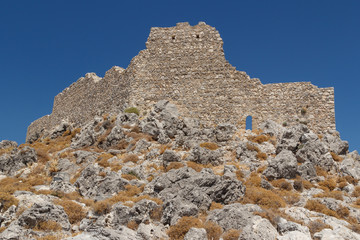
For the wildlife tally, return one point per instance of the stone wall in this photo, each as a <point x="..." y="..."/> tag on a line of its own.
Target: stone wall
<point x="186" y="64"/>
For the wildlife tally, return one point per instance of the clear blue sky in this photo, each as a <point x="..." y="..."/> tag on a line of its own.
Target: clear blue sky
<point x="47" y="45"/>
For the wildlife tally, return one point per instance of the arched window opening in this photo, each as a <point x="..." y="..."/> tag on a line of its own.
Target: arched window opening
<point x="249" y="122"/>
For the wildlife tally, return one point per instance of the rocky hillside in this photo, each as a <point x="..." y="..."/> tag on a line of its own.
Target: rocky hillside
<point x="168" y="177"/>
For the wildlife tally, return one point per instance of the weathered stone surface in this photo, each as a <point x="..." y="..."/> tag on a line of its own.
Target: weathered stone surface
<point x="335" y="144"/>
<point x="4" y="144"/>
<point x="176" y="208"/>
<point x="258" y="228"/>
<point x="200" y="188"/>
<point x="224" y="132"/>
<point x="284" y="165"/>
<point x="205" y="156"/>
<point x="90" y="184"/>
<point x="17" y="159"/>
<point x="234" y="216"/>
<point x="196" y="234"/>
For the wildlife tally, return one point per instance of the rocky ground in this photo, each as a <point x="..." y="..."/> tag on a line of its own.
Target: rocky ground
<point x="167" y="177"/>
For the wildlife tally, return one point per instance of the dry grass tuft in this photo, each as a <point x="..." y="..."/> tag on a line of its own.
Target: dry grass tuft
<point x="282" y="183"/>
<point x="315" y="205"/>
<point x="213" y="230"/>
<point x="261" y="156"/>
<point x="74" y="211"/>
<point x="178" y="231"/>
<point x="47" y="226"/>
<point x="328" y="184"/>
<point x="356" y="192"/>
<point x="215" y="205"/>
<point x="130" y="158"/>
<point x="259" y="139"/>
<point x="6" y="201"/>
<point x="209" y="145"/>
<point x="320" y="171"/>
<point x="231" y="234"/>
<point x="336" y="157"/>
<point x="317" y="226"/>
<point x="333" y="194"/>
<point x="263" y="197"/>
<point x="133" y="225"/>
<point x="254" y="180"/>
<point x="196" y="166"/>
<point x="174" y="165"/>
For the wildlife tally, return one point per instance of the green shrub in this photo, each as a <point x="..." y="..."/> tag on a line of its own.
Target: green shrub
<point x="132" y="110"/>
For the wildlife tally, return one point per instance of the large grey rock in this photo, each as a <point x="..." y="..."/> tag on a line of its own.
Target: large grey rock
<point x="294" y="235"/>
<point x="335" y="144"/>
<point x="89" y="133"/>
<point x="170" y="156"/>
<point x="200" y="188"/>
<point x="224" y="132"/>
<point x="258" y="228"/>
<point x="350" y="166"/>
<point x="101" y="233"/>
<point x="60" y="129"/>
<point x="284" y="165"/>
<point x="290" y="139"/>
<point x="17" y="159"/>
<point x="151" y="231"/>
<point x="196" y="234"/>
<point x="4" y="144"/>
<point x="176" y="208"/>
<point x="234" y="216"/>
<point x="91" y="185"/>
<point x="272" y="128"/>
<point x="39" y="212"/>
<point x="205" y="156"/>
<point x="284" y="227"/>
<point x="115" y="136"/>
<point x="313" y="150"/>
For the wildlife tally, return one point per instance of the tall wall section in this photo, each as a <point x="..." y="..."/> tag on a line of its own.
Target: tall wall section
<point x="186" y="64"/>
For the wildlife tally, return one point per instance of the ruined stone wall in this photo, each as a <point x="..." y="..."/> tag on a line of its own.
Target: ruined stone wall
<point x="186" y="64"/>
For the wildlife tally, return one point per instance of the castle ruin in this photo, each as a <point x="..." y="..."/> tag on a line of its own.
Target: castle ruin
<point x="186" y="65"/>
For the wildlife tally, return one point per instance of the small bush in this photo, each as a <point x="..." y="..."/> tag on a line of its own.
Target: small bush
<point x="351" y="180"/>
<point x="74" y="211"/>
<point x="6" y="201"/>
<point x="103" y="158"/>
<point x="132" y="110"/>
<point x="282" y="183"/>
<point x="215" y="205"/>
<point x="307" y="184"/>
<point x="184" y="224"/>
<point x="47" y="226"/>
<point x="174" y="165"/>
<point x="131" y="158"/>
<point x="336" y="157"/>
<point x="252" y="147"/>
<point x="333" y="194"/>
<point x="263" y="197"/>
<point x="343" y="212"/>
<point x="261" y="156"/>
<point x="259" y="139"/>
<point x="289" y="196"/>
<point x="298" y="185"/>
<point x="209" y="145"/>
<point x="196" y="166"/>
<point x="133" y="225"/>
<point x="254" y="180"/>
<point x="320" y="171"/>
<point x="315" y="205"/>
<point x="156" y="214"/>
<point x="102" y="207"/>
<point x="213" y="230"/>
<point x="329" y="184"/>
<point x="129" y="176"/>
<point x="317" y="226"/>
<point x="239" y="175"/>
<point x="231" y="234"/>
<point x="356" y="192"/>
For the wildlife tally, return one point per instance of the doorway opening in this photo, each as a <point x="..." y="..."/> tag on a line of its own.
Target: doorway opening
<point x="248" y="122"/>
